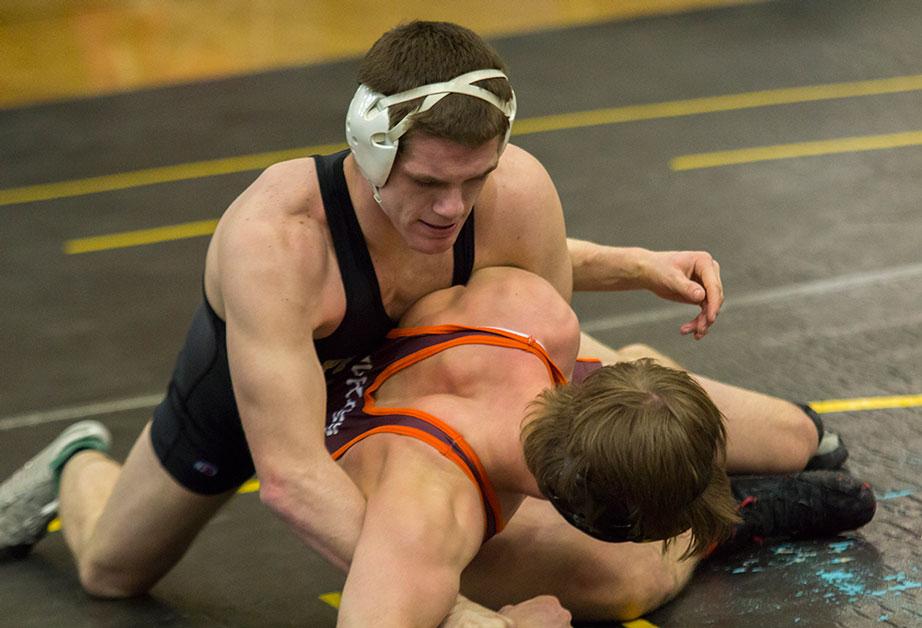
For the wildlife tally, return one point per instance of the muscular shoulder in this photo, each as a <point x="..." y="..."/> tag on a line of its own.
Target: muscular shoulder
<point x="519" y="182"/>
<point x="520" y="221"/>
<point x="283" y="188"/>
<point x="273" y="235"/>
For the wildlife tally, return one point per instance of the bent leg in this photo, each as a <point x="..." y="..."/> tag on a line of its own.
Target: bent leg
<point x="541" y="554"/>
<point x="764" y="434"/>
<point x="128" y="525"/>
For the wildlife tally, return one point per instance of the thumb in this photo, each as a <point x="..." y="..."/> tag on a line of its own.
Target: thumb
<point x="694" y="291"/>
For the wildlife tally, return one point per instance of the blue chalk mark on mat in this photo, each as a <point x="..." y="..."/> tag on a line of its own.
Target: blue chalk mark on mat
<point x="838" y="547"/>
<point x="902" y="584"/>
<point x="845" y="581"/>
<point x="906" y="492"/>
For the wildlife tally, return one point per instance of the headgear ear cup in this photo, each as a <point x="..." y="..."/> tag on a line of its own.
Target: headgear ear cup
<point x="374" y="142"/>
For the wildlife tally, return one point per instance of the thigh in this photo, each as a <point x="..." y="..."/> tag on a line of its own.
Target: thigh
<point x="765" y="434"/>
<point x="539" y="553"/>
<point x="148" y="521"/>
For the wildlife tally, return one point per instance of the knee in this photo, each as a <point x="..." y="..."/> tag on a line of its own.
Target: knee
<point x="650" y="587"/>
<point x="625" y="594"/>
<point x="636" y="351"/>
<point x="103" y="581"/>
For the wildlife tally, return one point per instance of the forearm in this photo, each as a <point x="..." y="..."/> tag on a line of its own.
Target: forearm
<point x="600" y="267"/>
<point x="393" y="597"/>
<point x="423" y="524"/>
<point x="323" y="507"/>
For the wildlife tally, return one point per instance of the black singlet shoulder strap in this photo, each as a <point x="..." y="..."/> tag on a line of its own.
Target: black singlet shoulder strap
<point x="365" y="320"/>
<point x="464" y="253"/>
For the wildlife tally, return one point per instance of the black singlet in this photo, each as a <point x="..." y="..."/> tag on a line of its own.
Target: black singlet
<point x="365" y="322"/>
<point x="196" y="432"/>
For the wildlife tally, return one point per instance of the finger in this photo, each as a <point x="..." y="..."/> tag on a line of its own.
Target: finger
<point x="701" y="328"/>
<point x="720" y="285"/>
<point x="710" y="278"/>
<point x="691" y="326"/>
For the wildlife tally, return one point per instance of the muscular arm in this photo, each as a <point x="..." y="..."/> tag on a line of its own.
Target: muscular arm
<point x="424" y="523"/>
<point x="685" y="276"/>
<point x="526" y="229"/>
<point x="269" y="281"/>
<point x="271" y="278"/>
<point x="598" y="267"/>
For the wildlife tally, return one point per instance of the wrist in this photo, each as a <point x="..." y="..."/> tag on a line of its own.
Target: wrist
<point x="610" y="268"/>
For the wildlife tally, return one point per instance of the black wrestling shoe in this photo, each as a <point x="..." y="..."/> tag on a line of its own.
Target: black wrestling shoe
<point x="799" y="505"/>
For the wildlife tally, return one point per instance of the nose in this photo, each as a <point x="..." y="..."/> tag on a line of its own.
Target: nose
<point x="450" y="205"/>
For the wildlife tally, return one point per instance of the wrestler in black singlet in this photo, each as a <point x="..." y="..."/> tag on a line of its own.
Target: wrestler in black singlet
<point x="196" y="432"/>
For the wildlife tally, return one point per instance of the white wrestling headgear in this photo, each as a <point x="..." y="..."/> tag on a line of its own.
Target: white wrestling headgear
<point x="374" y="142"/>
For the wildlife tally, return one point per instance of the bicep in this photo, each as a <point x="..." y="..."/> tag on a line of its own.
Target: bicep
<point x="269" y="287"/>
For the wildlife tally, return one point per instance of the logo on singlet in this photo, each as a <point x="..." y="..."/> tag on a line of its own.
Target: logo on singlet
<point x="205" y="468"/>
<point x="356" y="391"/>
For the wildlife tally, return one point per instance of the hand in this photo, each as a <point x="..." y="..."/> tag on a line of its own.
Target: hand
<point x="543" y="611"/>
<point x="467" y="614"/>
<point x="687" y="277"/>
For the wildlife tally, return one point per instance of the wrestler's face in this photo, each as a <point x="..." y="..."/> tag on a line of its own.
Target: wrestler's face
<point x="433" y="186"/>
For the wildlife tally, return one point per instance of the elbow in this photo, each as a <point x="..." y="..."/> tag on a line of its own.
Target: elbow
<point x="278" y="492"/>
<point x="274" y="494"/>
<point x="288" y="487"/>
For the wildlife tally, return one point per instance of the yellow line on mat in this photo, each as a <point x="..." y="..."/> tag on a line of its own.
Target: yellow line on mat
<point x="542" y="124"/>
<point x="798" y="149"/>
<point x="151" y="176"/>
<point x="126" y="239"/>
<point x="638" y="623"/>
<point x="333" y="599"/>
<point x="713" y="104"/>
<point x="867" y="403"/>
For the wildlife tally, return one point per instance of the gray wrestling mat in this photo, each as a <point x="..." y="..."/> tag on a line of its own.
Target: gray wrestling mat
<point x="818" y="238"/>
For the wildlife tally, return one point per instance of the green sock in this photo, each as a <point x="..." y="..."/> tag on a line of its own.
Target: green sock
<point x="87" y="442"/>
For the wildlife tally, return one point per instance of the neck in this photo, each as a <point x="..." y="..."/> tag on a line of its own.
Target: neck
<point x="377" y="228"/>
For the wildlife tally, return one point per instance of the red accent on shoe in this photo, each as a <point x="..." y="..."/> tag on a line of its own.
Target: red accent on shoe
<point x="710" y="549"/>
<point x="746" y="502"/>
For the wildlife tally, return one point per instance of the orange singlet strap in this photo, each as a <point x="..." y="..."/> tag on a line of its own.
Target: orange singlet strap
<point x="486" y="489"/>
<point x="493" y="336"/>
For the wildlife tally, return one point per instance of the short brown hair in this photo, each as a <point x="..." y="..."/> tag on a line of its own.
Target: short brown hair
<point x="641" y="433"/>
<point x="419" y="53"/>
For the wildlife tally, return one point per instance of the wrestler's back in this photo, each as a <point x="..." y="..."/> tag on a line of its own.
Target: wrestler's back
<point x="481" y="391"/>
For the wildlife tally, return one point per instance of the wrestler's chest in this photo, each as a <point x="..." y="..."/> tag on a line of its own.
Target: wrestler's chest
<point x="402" y="284"/>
